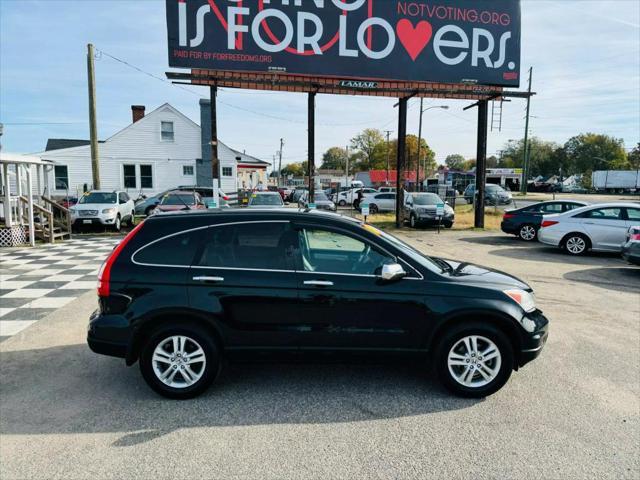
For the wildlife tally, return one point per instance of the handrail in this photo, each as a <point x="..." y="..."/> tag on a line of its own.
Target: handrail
<point x="49" y="214"/>
<point x="55" y="204"/>
<point x="35" y="205"/>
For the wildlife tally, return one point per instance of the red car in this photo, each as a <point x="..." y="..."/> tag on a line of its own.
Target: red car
<point x="68" y="202"/>
<point x="180" y="200"/>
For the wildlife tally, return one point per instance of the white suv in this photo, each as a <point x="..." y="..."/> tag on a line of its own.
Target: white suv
<point x="100" y="207"/>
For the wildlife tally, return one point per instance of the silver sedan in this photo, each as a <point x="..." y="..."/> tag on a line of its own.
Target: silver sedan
<point x="601" y="227"/>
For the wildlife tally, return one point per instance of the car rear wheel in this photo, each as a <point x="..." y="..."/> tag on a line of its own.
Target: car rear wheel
<point x="373" y="208"/>
<point x="576" y="244"/>
<point x="528" y="232"/>
<point x="474" y="360"/>
<point x="148" y="210"/>
<point x="180" y="362"/>
<point x="342" y="203"/>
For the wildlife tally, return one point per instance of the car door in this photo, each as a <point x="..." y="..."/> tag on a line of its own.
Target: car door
<point x="386" y="202"/>
<point x="606" y="226"/>
<point x="245" y="281"/>
<point x="343" y="301"/>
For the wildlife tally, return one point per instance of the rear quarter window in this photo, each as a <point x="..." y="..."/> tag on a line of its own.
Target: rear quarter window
<point x="174" y="250"/>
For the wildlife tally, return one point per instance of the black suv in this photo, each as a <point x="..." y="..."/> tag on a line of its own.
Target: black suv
<point x="185" y="290"/>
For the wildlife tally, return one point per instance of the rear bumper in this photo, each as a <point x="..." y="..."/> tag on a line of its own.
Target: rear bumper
<point x="547" y="237"/>
<point x="109" y="334"/>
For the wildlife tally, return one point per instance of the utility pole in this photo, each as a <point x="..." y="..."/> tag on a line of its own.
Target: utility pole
<point x="93" y="128"/>
<point x="215" y="163"/>
<point x="419" y="143"/>
<point x="402" y="142"/>
<point x="346" y="170"/>
<point x="388" y="132"/>
<point x="280" y="162"/>
<point x="525" y="160"/>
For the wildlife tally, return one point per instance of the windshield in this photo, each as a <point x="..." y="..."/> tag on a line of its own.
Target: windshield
<point x="258" y="199"/>
<point x="99" y="197"/>
<point x="494" y="188"/>
<point x="427" y="199"/>
<point x="178" y="200"/>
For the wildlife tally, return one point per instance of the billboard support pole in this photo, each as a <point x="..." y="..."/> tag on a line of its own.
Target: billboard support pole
<point x="481" y="163"/>
<point x="215" y="164"/>
<point x="311" y="144"/>
<point x="402" y="142"/>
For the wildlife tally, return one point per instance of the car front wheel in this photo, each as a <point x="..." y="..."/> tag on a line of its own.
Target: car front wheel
<point x="527" y="233"/>
<point x="412" y="221"/>
<point x="180" y="362"/>
<point x="474" y="360"/>
<point x="342" y="203"/>
<point x="117" y="225"/>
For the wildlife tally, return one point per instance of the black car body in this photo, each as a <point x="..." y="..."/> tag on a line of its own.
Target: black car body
<point x="234" y="282"/>
<point x="631" y="248"/>
<point x="525" y="222"/>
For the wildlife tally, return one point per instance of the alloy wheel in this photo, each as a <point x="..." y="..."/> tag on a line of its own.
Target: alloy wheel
<point x="576" y="245"/>
<point x="527" y="233"/>
<point x="474" y="361"/>
<point x="179" y="361"/>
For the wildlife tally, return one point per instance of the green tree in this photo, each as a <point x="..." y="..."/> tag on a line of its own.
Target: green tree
<point x="295" y="169"/>
<point x="634" y="158"/>
<point x="593" y="151"/>
<point x="334" y="158"/>
<point x="455" y="161"/>
<point x="372" y="145"/>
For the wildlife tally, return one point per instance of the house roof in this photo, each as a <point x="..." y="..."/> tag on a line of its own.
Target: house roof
<point x="248" y="159"/>
<point x="380" y="176"/>
<point x="59" y="143"/>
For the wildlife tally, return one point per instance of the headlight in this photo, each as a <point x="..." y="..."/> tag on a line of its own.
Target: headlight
<point x="73" y="211"/>
<point x="110" y="211"/>
<point x="526" y="300"/>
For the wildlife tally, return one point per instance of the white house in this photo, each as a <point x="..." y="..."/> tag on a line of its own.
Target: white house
<point x="156" y="152"/>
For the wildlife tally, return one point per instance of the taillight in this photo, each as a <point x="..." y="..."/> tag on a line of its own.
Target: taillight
<point x="548" y="223"/>
<point x="635" y="236"/>
<point x="104" y="275"/>
<point x="508" y="215"/>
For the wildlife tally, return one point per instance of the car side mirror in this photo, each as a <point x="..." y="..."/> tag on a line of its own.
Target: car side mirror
<point x="392" y="271"/>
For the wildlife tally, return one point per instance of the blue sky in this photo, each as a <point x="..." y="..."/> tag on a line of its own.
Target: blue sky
<point x="585" y="55"/>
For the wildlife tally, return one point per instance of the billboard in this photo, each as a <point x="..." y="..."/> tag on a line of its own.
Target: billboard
<point x="451" y="41"/>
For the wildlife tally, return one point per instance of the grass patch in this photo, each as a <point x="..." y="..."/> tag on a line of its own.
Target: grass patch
<point x="464" y="219"/>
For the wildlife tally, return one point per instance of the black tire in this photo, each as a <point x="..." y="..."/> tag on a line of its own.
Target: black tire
<point x="413" y="221"/>
<point x="342" y="203"/>
<point x="211" y="367"/>
<point x="373" y="209"/>
<point x="571" y="243"/>
<point x="148" y="210"/>
<point x="528" y="232"/>
<point x="117" y="225"/>
<point x="448" y="225"/>
<point x="452" y="337"/>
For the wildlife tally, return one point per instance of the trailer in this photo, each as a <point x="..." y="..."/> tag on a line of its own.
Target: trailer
<point x="618" y="181"/>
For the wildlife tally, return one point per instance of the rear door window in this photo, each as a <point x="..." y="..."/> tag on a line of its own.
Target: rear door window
<point x="609" y="213"/>
<point x="261" y="246"/>
<point x="174" y="250"/>
<point x="550" y="208"/>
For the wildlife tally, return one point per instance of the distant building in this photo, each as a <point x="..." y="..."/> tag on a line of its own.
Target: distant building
<point x="378" y="178"/>
<point x="154" y="153"/>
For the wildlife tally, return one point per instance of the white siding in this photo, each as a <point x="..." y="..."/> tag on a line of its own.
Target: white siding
<point x="138" y="144"/>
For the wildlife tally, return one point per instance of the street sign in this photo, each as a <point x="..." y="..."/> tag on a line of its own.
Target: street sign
<point x="439" y="209"/>
<point x="365" y="209"/>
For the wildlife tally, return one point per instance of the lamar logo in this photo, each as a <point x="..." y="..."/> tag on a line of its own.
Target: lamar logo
<point x="357" y="84"/>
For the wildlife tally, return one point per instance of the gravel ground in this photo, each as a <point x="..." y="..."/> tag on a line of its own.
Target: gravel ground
<point x="573" y="413"/>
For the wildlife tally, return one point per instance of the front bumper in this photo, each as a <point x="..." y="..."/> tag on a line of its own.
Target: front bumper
<point x="534" y="342"/>
<point x="431" y="219"/>
<point x="81" y="221"/>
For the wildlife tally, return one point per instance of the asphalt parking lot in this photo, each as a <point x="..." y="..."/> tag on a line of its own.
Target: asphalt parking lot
<point x="574" y="413"/>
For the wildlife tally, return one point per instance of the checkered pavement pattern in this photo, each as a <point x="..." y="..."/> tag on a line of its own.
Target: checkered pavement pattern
<point x="36" y="281"/>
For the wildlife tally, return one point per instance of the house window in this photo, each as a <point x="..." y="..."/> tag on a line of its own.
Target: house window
<point x="227" y="171"/>
<point x="166" y="131"/>
<point x="61" y="174"/>
<point x="129" y="174"/>
<point x="187" y="170"/>
<point x="146" y="176"/>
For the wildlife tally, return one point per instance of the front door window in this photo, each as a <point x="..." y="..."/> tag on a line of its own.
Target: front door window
<point x="325" y="251"/>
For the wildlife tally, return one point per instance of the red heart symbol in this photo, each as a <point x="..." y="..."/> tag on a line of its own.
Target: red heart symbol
<point x="414" y="39"/>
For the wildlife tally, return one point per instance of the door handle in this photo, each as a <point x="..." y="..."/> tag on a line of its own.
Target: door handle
<point x="319" y="283"/>
<point x="209" y="279"/>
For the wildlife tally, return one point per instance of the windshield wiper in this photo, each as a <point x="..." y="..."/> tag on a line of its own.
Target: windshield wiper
<point x="445" y="265"/>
